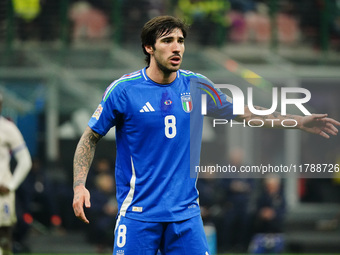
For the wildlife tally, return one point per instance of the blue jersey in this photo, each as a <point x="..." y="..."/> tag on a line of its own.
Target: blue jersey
<point x="158" y="139"/>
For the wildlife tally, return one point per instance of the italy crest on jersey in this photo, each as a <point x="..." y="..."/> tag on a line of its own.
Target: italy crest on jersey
<point x="186" y="102"/>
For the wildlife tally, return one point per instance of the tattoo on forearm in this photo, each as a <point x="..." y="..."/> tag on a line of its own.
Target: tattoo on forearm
<point x="83" y="156"/>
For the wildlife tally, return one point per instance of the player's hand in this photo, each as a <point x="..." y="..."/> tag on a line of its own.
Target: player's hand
<point x="319" y="124"/>
<point x="3" y="190"/>
<point x="81" y="197"/>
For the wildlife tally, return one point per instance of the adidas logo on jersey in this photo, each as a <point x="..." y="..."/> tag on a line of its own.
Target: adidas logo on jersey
<point x="147" y="108"/>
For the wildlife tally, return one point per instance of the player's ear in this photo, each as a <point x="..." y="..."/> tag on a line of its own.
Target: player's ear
<point x="149" y="49"/>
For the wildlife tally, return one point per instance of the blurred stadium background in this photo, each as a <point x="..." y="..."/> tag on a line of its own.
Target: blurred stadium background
<point x="58" y="56"/>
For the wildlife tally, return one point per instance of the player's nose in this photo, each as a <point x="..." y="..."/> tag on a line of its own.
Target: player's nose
<point x="176" y="47"/>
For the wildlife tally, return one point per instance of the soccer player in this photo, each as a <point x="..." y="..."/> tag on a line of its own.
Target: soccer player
<point x="11" y="143"/>
<point x="158" y="137"/>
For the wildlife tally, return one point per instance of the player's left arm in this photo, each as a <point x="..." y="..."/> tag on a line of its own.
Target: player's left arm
<point x="318" y="124"/>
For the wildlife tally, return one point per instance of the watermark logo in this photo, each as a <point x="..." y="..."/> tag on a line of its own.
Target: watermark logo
<point x="239" y="99"/>
<point x="209" y="93"/>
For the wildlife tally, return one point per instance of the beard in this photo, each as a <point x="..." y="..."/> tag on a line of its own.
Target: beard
<point x="166" y="70"/>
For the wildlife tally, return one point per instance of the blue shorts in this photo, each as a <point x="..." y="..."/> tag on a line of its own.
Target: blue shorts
<point x="133" y="237"/>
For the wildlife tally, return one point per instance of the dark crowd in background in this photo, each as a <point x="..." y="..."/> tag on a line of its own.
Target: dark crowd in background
<point x="213" y="22"/>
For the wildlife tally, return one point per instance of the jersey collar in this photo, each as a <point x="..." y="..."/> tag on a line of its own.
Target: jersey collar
<point x="148" y="79"/>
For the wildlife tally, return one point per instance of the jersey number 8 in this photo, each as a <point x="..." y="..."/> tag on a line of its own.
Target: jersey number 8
<point x="170" y="126"/>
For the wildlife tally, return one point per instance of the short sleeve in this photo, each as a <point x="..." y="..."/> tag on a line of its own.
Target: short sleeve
<point x="220" y="108"/>
<point x="109" y="111"/>
<point x="219" y="105"/>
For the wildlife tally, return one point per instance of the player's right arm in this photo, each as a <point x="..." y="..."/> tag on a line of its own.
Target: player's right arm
<point x="81" y="164"/>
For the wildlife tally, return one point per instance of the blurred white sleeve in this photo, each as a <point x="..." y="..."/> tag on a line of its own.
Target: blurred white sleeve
<point x="23" y="166"/>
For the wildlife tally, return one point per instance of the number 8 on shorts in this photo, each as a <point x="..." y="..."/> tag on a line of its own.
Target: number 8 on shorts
<point x="121" y="236"/>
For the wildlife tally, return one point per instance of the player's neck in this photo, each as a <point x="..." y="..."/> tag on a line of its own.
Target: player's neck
<point x="159" y="76"/>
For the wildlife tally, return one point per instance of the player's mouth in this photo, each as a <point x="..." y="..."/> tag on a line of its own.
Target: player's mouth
<point x="175" y="60"/>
